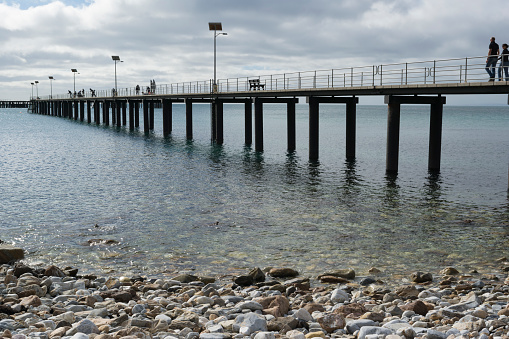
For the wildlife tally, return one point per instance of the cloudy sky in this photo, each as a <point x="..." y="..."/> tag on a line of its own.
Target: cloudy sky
<point x="169" y="40"/>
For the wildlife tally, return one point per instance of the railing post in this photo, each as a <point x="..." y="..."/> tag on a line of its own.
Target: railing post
<point x="466" y="68"/>
<point x="351" y="77"/>
<point x="406" y="73"/>
<point x="381" y="73"/>
<point x="314" y="80"/>
<point x="373" y="75"/>
<point x="332" y="78"/>
<point x="284" y="80"/>
<point x="434" y="70"/>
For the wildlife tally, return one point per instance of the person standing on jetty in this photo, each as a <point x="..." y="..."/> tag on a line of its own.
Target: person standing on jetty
<point x="504" y="64"/>
<point x="491" y="61"/>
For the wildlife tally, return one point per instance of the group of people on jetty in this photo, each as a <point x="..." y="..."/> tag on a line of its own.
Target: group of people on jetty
<point x="493" y="57"/>
<point x="149" y="90"/>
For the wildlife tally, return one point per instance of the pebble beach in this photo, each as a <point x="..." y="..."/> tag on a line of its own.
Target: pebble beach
<point x="263" y="303"/>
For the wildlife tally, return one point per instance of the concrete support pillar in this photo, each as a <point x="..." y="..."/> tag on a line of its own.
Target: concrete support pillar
<point x="124" y="113"/>
<point x="167" y="117"/>
<point x="97" y="110"/>
<point x="258" y="121"/>
<point x="131" y="115"/>
<point x="248" y="123"/>
<point x="70" y="110"/>
<point x="137" y="114"/>
<point x="189" y="119"/>
<point x="151" y="112"/>
<point x="118" y="106"/>
<point x="290" y="126"/>
<point x="219" y="122"/>
<point x="82" y="110"/>
<point x="393" y="126"/>
<point x="435" y="137"/>
<point x="351" y="113"/>
<point x="146" y="122"/>
<point x="89" y="111"/>
<point x="76" y="109"/>
<point x="106" y="114"/>
<point x="213" y="120"/>
<point x="113" y="114"/>
<point x="313" y="129"/>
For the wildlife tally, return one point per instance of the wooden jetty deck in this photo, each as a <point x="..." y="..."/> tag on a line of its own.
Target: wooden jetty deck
<point x="401" y="84"/>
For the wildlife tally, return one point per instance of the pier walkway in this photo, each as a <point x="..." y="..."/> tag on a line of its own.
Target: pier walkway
<point x="422" y="82"/>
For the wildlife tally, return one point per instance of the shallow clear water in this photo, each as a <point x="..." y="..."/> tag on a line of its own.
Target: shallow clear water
<point x="174" y="205"/>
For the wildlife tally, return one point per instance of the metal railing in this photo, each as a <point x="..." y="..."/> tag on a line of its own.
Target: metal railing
<point x="445" y="71"/>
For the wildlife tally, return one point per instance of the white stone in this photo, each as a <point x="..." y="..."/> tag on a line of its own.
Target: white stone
<point x="250" y="305"/>
<point x="370" y="330"/>
<point x="249" y="323"/>
<point x="265" y="335"/>
<point x="303" y="314"/>
<point x="295" y="334"/>
<point x="339" y="296"/>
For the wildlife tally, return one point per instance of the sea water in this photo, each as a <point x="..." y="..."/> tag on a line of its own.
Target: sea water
<point x="109" y="200"/>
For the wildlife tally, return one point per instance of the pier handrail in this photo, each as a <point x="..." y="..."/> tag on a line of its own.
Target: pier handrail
<point x="443" y="71"/>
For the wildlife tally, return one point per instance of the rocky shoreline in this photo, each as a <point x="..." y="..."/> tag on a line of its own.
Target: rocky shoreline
<point x="54" y="302"/>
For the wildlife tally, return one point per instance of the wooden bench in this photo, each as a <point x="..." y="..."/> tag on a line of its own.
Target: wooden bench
<point x="255" y="84"/>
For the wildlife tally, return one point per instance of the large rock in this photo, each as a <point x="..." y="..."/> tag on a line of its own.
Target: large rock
<point x="407" y="292"/>
<point x="87" y="326"/>
<point x="339" y="296"/>
<point x="10" y="253"/>
<point x="347" y="273"/>
<point x="420" y="277"/>
<point x="469" y="323"/>
<point x="248" y="323"/>
<point x="283" y="273"/>
<point x="368" y="330"/>
<point x="355" y="325"/>
<point x="417" y="306"/>
<point x="277" y="306"/>
<point x="353" y="310"/>
<point x="331" y="322"/>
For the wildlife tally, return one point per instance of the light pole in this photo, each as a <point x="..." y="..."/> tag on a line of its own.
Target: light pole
<point x="32" y="90"/>
<point x="116" y="58"/>
<point x="51" y="86"/>
<point x="37" y="89"/>
<point x="215" y="26"/>
<point x="74" y="71"/>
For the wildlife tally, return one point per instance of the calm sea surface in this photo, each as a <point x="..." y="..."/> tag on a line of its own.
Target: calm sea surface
<point x="172" y="206"/>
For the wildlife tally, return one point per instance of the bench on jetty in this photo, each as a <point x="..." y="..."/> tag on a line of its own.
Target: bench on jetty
<point x="255" y="84"/>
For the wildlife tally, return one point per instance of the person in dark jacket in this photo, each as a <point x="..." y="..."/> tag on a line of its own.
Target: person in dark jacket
<point x="491" y="61"/>
<point x="504" y="64"/>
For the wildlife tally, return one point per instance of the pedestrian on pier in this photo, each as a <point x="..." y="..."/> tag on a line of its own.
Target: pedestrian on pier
<point x="491" y="61"/>
<point x="137" y="89"/>
<point x="504" y="64"/>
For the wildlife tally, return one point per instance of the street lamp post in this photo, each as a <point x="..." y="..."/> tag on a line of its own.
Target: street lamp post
<point x="37" y="89"/>
<point x="116" y="59"/>
<point x="74" y="71"/>
<point x="51" y="86"/>
<point x="215" y="26"/>
<point x="32" y="90"/>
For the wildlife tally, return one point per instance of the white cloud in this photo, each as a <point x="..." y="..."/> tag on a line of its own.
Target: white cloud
<point x="168" y="40"/>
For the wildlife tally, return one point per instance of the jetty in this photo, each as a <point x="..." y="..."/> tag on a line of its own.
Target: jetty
<point x="14" y="104"/>
<point x="410" y="83"/>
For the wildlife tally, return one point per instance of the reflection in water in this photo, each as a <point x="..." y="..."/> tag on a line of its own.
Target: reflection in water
<point x="392" y="190"/>
<point x="350" y="181"/>
<point x="314" y="173"/>
<point x="433" y="188"/>
<point x="291" y="167"/>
